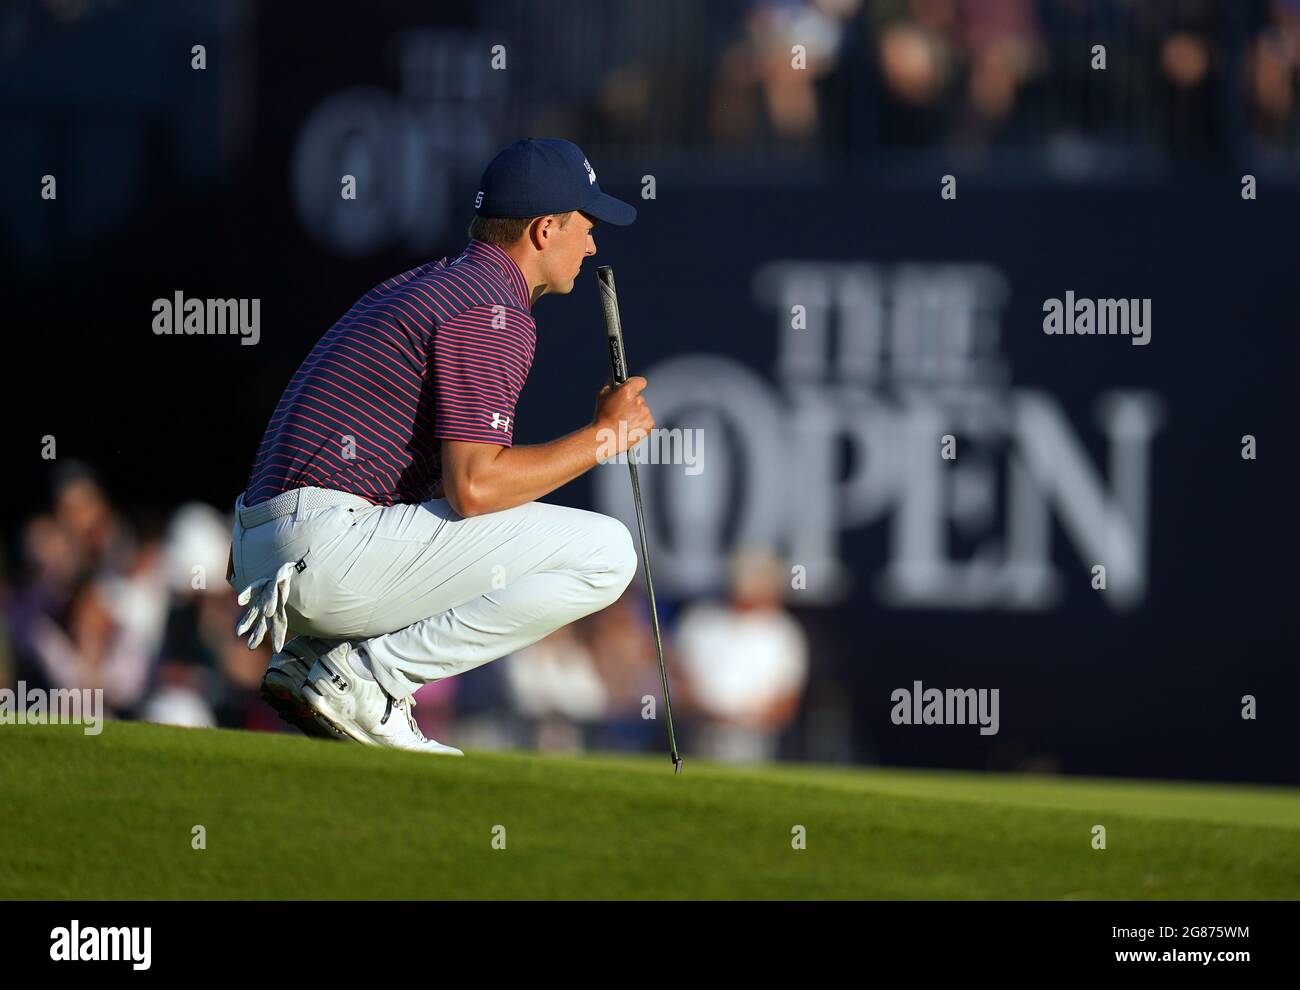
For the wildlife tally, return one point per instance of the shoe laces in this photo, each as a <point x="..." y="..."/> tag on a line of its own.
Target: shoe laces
<point x="408" y="707"/>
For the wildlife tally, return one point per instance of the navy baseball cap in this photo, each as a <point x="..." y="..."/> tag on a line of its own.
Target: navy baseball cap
<point x="537" y="176"/>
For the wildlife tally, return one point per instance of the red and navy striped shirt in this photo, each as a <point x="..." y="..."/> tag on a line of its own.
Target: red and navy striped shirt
<point x="439" y="352"/>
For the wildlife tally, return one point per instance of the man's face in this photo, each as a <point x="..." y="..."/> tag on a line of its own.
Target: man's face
<point x="566" y="247"/>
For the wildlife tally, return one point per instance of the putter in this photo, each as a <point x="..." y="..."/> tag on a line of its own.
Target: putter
<point x="618" y="366"/>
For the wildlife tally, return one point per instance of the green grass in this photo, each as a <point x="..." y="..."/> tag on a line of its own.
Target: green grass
<point x="286" y="817"/>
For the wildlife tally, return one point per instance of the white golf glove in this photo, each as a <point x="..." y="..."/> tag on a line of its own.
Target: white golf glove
<point x="266" y="600"/>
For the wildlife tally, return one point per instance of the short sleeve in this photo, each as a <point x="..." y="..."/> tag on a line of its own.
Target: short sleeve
<point x="479" y="361"/>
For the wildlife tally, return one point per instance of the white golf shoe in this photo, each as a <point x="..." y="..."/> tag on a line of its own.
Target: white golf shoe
<point x="283" y="682"/>
<point x="357" y="708"/>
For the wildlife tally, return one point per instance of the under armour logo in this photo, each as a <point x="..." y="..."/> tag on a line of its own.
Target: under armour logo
<point x="336" y="678"/>
<point x="500" y="422"/>
<point x="591" y="172"/>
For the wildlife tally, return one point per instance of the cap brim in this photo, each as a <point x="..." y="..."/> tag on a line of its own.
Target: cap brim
<point x="607" y="209"/>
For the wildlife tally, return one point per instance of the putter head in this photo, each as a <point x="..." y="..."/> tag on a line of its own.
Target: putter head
<point x="677" y="764"/>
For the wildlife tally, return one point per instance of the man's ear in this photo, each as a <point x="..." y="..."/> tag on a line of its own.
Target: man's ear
<point x="535" y="235"/>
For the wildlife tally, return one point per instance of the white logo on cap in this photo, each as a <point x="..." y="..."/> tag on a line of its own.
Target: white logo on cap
<point x="591" y="172"/>
<point x="478" y="200"/>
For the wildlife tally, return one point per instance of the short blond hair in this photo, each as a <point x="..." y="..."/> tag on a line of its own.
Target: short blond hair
<point x="505" y="231"/>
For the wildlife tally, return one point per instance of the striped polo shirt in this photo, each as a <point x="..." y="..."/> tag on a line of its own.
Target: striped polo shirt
<point x="439" y="352"/>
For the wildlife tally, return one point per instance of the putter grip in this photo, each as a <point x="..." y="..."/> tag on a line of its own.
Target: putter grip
<point x="613" y="325"/>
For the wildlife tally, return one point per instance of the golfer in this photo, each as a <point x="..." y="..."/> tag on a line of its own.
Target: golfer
<point x="388" y="523"/>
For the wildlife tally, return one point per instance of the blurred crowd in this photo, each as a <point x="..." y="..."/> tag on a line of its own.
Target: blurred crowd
<point x="142" y="610"/>
<point x="1185" y="77"/>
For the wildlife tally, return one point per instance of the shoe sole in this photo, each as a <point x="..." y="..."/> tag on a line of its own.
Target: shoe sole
<point x="292" y="710"/>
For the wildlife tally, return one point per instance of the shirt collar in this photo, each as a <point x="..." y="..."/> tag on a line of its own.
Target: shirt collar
<point x="483" y="251"/>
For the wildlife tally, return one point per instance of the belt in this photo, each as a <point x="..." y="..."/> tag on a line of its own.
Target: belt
<point x="296" y="500"/>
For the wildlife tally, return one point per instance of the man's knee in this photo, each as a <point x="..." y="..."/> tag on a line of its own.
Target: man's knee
<point x="615" y="559"/>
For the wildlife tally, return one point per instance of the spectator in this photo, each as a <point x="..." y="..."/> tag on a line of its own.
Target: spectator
<point x="73" y="624"/>
<point x="745" y="663"/>
<point x="179" y="699"/>
<point x="99" y="538"/>
<point x="555" y="685"/>
<point x="621" y="641"/>
<point x="202" y="663"/>
<point x="81" y="645"/>
<point x="759" y="85"/>
<point x="1272" y="70"/>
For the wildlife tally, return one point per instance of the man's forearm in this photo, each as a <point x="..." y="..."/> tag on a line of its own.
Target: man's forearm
<point x="522" y="474"/>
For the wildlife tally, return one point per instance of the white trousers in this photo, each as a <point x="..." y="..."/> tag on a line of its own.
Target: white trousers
<point x="429" y="593"/>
